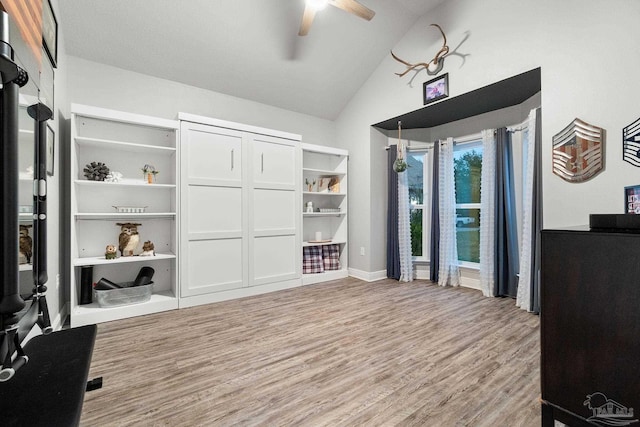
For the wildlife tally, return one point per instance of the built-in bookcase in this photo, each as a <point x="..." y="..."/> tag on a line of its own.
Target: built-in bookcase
<point x="125" y="143"/>
<point x="321" y="167"/>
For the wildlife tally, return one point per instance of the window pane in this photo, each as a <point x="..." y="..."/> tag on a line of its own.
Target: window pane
<point x="415" y="177"/>
<point x="416" y="232"/>
<point x="468" y="234"/>
<point x="467" y="170"/>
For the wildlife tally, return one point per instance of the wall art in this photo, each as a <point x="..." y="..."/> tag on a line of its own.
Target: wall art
<point x="632" y="199"/>
<point x="50" y="32"/>
<point x="578" y="151"/>
<point x="435" y="89"/>
<point x="631" y="143"/>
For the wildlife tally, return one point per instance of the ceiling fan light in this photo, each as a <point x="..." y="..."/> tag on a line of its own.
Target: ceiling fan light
<point x="317" y="4"/>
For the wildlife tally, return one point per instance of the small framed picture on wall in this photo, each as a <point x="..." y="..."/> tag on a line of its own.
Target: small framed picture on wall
<point x="632" y="199"/>
<point x="436" y="89"/>
<point x="51" y="148"/>
<point x="50" y="32"/>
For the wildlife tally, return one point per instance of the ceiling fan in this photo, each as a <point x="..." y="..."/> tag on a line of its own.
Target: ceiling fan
<point x="351" y="6"/>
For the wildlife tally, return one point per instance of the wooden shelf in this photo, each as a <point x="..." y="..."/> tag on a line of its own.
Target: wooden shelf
<point x="131" y="183"/>
<point x="315" y="193"/>
<point x="323" y="214"/>
<point x="323" y="172"/>
<point x="332" y="242"/>
<point x="122" y="145"/>
<point x="116" y="215"/>
<point x="93" y="313"/>
<point x="79" y="262"/>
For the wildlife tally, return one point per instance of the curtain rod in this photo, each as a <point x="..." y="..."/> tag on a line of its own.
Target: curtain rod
<point x="420" y="146"/>
<point x="519" y="127"/>
<point x="468" y="138"/>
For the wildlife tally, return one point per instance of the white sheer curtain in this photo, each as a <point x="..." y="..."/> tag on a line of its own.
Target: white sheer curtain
<point x="404" y="224"/>
<point x="488" y="214"/>
<point x="523" y="298"/>
<point x="448" y="271"/>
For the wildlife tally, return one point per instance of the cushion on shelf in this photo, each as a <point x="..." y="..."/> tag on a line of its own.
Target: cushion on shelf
<point x="312" y="260"/>
<point x="331" y="257"/>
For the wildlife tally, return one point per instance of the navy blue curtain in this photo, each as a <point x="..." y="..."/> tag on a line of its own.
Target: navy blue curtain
<point x="393" y="247"/>
<point x="507" y="263"/>
<point x="434" y="241"/>
<point x="536" y="217"/>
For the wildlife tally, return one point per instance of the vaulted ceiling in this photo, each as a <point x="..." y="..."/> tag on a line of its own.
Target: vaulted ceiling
<point x="245" y="48"/>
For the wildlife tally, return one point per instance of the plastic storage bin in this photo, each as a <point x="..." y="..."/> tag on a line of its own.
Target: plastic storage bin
<point x="124" y="296"/>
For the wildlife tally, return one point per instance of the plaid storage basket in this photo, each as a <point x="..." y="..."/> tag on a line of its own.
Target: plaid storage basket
<point x="331" y="257"/>
<point x="312" y="260"/>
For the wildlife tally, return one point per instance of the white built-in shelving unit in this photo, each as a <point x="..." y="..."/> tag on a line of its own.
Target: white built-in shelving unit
<point x="125" y="142"/>
<point x="321" y="162"/>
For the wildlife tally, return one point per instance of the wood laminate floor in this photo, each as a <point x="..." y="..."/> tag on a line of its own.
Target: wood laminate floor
<point x="335" y="354"/>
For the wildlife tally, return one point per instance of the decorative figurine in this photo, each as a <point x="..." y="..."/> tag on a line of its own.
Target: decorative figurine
<point x="129" y="238"/>
<point x="113" y="176"/>
<point x="148" y="249"/>
<point x="96" y="171"/>
<point x="26" y="243"/>
<point x="111" y="252"/>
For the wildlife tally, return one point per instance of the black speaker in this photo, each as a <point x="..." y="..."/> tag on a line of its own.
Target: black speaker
<point x="86" y="285"/>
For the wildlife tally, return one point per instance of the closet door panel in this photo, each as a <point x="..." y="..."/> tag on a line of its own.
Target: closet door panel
<point x="274" y="210"/>
<point x="214" y="209"/>
<point x="214" y="233"/>
<point x="214" y="265"/>
<point x="274" y="259"/>
<point x="214" y="155"/>
<point x="274" y="163"/>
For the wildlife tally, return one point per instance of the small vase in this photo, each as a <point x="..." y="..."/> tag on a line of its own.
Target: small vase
<point x="150" y="178"/>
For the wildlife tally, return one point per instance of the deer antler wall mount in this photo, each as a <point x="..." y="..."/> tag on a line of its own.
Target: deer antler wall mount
<point x="432" y="67"/>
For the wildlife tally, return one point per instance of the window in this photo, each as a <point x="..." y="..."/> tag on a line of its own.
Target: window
<point x="418" y="179"/>
<point x="467" y="160"/>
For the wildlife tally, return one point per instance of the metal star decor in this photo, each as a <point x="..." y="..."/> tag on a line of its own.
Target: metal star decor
<point x="631" y="143"/>
<point x="578" y="151"/>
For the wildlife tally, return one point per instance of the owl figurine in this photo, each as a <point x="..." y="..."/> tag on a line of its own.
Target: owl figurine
<point x="111" y="252"/>
<point x="26" y="243"/>
<point x="148" y="249"/>
<point x="129" y="238"/>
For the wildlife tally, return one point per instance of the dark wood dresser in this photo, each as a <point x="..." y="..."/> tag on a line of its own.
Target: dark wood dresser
<point x="590" y="327"/>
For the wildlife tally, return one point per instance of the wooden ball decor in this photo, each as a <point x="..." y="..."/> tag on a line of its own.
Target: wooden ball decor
<point x="96" y="171"/>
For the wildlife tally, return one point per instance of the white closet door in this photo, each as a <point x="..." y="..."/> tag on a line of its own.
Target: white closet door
<point x="214" y="155"/>
<point x="213" y="231"/>
<point x="274" y="248"/>
<point x="274" y="162"/>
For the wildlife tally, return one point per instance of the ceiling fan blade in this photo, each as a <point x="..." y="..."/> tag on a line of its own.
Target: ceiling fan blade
<point x="352" y="6"/>
<point x="307" y="19"/>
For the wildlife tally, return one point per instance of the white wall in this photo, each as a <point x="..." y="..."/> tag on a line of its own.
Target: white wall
<point x="104" y="86"/>
<point x="587" y="50"/>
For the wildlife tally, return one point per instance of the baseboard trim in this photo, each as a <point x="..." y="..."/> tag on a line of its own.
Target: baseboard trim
<point x="192" y="301"/>
<point x="368" y="276"/>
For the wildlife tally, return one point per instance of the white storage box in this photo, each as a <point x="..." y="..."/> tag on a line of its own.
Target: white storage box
<point x="124" y="296"/>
